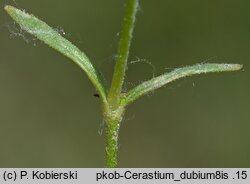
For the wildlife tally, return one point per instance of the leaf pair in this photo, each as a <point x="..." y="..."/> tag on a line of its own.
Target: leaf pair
<point x="51" y="37"/>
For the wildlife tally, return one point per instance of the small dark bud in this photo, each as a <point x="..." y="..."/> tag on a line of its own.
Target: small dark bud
<point x="96" y="95"/>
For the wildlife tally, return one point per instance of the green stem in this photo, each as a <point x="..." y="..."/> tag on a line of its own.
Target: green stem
<point x="112" y="124"/>
<point x="123" y="52"/>
<point x="112" y="131"/>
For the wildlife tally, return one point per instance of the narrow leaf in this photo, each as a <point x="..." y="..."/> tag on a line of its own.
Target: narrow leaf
<point x="50" y="36"/>
<point x="164" y="79"/>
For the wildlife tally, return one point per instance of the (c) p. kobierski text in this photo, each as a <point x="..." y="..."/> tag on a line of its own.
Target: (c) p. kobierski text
<point x="50" y="175"/>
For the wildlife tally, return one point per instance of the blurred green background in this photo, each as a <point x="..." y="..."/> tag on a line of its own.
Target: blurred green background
<point x="49" y="117"/>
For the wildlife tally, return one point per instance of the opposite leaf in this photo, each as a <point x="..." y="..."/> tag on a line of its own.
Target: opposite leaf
<point x="164" y="79"/>
<point x="50" y="36"/>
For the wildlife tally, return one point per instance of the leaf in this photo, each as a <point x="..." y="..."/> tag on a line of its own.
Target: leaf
<point x="51" y="37"/>
<point x="166" y="78"/>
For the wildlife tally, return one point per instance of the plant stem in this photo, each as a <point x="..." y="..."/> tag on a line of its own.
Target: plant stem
<point x="113" y="111"/>
<point x="112" y="124"/>
<point x="112" y="131"/>
<point x="123" y="52"/>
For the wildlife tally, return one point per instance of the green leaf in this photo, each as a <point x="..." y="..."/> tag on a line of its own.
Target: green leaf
<point x="166" y="78"/>
<point x="50" y="36"/>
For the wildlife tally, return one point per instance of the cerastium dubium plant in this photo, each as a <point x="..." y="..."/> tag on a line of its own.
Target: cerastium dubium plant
<point x="113" y="100"/>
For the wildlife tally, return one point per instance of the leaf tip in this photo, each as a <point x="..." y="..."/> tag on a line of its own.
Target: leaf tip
<point x="239" y="66"/>
<point x="235" y="67"/>
<point x="7" y="7"/>
<point x="229" y="67"/>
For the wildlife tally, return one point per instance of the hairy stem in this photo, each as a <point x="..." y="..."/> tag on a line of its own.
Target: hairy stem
<point x="113" y="112"/>
<point x="112" y="124"/>
<point x="123" y="52"/>
<point x="112" y="131"/>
